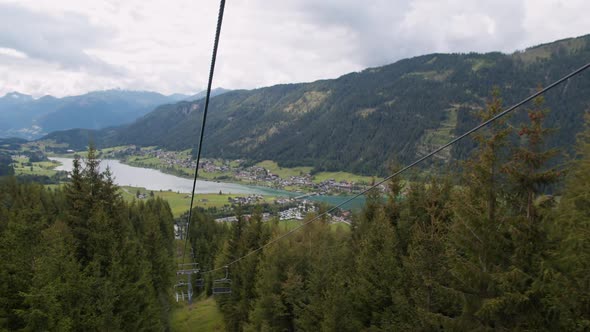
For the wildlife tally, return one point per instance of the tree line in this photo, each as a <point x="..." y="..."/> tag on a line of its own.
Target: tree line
<point x="486" y="248"/>
<point x="82" y="259"/>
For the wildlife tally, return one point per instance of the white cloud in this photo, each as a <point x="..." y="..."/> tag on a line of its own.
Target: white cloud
<point x="11" y="52"/>
<point x="60" y="39"/>
<point x="66" y="47"/>
<point x="549" y="20"/>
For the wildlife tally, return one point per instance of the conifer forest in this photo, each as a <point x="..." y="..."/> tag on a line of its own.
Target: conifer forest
<point x="499" y="241"/>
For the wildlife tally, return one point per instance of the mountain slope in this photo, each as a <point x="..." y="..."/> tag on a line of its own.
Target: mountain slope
<point x="361" y="121"/>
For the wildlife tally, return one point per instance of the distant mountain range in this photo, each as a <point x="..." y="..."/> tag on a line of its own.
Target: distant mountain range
<point x="25" y="117"/>
<point x="361" y="121"/>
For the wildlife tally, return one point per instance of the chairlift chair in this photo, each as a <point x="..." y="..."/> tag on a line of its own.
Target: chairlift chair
<point x="199" y="283"/>
<point x="223" y="285"/>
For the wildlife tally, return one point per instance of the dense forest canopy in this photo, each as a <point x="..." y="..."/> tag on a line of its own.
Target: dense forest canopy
<point x="82" y="259"/>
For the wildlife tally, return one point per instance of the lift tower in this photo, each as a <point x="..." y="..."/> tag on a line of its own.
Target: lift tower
<point x="188" y="270"/>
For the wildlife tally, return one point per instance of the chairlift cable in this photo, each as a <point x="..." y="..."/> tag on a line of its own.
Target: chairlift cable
<point x="207" y="97"/>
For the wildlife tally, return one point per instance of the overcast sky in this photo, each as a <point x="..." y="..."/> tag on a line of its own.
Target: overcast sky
<point x="66" y="47"/>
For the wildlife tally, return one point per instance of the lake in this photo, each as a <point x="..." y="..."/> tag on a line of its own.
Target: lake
<point x="151" y="179"/>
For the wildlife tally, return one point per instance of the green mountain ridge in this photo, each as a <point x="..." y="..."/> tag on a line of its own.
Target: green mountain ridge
<point x="361" y="121"/>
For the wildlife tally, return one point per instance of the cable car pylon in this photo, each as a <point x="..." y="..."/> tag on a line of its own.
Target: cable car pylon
<point x="188" y="270"/>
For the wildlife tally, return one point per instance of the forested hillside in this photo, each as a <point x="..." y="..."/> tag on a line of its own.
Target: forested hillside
<point x="81" y="259"/>
<point x="361" y="121"/>
<point x="480" y="250"/>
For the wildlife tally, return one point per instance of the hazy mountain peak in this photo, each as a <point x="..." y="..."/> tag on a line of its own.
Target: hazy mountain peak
<point x="47" y="97"/>
<point x="15" y="95"/>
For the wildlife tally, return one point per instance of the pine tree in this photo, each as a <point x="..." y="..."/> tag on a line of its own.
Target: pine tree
<point x="56" y="294"/>
<point x="569" y="288"/>
<point x="380" y="302"/>
<point x="324" y="300"/>
<point x="78" y="207"/>
<point x="479" y="243"/>
<point x="427" y="265"/>
<point x="528" y="168"/>
<point x="521" y="284"/>
<point x="26" y="216"/>
<point x="246" y="235"/>
<point x="270" y="311"/>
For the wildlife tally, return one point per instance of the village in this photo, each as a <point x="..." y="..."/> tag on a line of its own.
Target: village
<point x="293" y="208"/>
<point x="233" y="171"/>
<point x="299" y="212"/>
<point x="288" y="208"/>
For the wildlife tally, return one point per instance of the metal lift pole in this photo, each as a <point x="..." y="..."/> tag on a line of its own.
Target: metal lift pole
<point x="188" y="270"/>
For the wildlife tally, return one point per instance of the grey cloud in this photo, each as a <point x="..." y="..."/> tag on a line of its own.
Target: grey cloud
<point x="383" y="37"/>
<point x="58" y="40"/>
<point x="167" y="47"/>
<point x="372" y="25"/>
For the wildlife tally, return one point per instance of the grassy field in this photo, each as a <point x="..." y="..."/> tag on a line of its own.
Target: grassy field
<point x="343" y="176"/>
<point x="145" y="161"/>
<point x="203" y="316"/>
<point x="290" y="224"/>
<point x="113" y="149"/>
<point x="283" y="172"/>
<point x="36" y="168"/>
<point x="179" y="203"/>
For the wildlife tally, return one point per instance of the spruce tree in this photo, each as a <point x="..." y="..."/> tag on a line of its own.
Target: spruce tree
<point x="427" y="265"/>
<point x="479" y="242"/>
<point x="24" y="219"/>
<point x="245" y="236"/>
<point x="380" y="302"/>
<point x="520" y="306"/>
<point x="569" y="290"/>
<point x="270" y="311"/>
<point x="57" y="290"/>
<point x="528" y="170"/>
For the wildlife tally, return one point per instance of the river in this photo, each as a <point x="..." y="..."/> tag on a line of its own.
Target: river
<point x="151" y="179"/>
